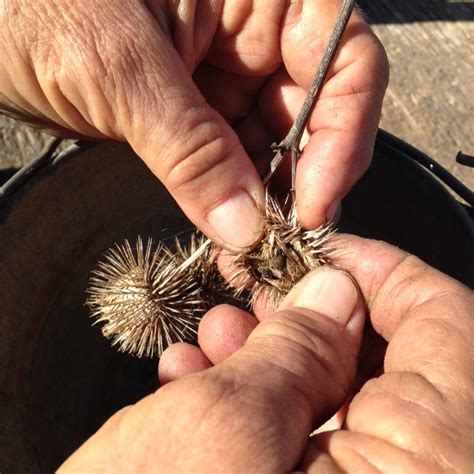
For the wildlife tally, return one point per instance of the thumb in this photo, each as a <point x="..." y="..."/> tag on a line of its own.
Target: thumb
<point x="129" y="83"/>
<point x="193" y="151"/>
<point x="300" y="363"/>
<point x="255" y="411"/>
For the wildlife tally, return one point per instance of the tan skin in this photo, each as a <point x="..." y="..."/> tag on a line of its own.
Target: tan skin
<point x="248" y="398"/>
<point x="122" y="69"/>
<point x="191" y="85"/>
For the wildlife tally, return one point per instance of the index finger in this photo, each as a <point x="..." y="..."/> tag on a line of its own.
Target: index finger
<point x="344" y="121"/>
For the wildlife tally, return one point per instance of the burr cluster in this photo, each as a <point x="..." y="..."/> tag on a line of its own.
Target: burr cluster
<point x="283" y="257"/>
<point x="148" y="298"/>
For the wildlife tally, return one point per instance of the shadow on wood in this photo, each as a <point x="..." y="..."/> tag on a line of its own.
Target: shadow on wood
<point x="409" y="11"/>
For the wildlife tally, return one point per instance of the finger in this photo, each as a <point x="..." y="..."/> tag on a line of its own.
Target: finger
<point x="262" y="307"/>
<point x="192" y="149"/>
<point x="344" y="122"/>
<point x="424" y="297"/>
<point x="223" y="330"/>
<point x="386" y="275"/>
<point x="181" y="359"/>
<point x="231" y="271"/>
<point x="257" y="407"/>
<point x="254" y="134"/>
<point x="336" y="421"/>
<point x="280" y="102"/>
<point x="376" y="265"/>
<point x="314" y="337"/>
<point x="218" y="86"/>
<point x="135" y="87"/>
<point x="256" y="139"/>
<point x="424" y="391"/>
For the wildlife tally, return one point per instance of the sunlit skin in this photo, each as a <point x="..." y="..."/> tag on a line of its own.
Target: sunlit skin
<point x="248" y="398"/>
<point x="198" y="87"/>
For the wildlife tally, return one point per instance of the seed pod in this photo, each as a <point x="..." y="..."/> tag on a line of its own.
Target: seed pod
<point x="145" y="300"/>
<point x="285" y="254"/>
<point x="149" y="299"/>
<point x="214" y="289"/>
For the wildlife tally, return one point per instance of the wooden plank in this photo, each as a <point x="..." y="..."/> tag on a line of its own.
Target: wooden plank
<point x="429" y="102"/>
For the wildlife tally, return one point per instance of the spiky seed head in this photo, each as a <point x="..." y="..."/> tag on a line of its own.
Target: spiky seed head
<point x="283" y="257"/>
<point x="149" y="299"/>
<point x="144" y="300"/>
<point x="215" y="289"/>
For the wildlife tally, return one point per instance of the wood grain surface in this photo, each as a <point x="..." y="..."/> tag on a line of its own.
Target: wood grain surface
<point x="429" y="102"/>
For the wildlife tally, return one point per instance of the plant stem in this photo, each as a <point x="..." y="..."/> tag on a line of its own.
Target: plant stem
<point x="291" y="143"/>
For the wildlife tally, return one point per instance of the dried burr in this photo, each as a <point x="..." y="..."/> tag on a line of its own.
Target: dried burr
<point x="147" y="299"/>
<point x="283" y="257"/>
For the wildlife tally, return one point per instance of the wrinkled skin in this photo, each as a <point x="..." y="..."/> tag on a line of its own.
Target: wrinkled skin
<point x="196" y="87"/>
<point x="248" y="398"/>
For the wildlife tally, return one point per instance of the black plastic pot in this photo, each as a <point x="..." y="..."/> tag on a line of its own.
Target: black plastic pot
<point x="60" y="380"/>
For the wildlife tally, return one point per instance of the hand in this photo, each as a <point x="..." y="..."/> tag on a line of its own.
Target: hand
<point x="267" y="386"/>
<point x="190" y="85"/>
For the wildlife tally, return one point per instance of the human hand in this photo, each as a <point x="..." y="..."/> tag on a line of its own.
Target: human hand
<point x="267" y="386"/>
<point x="191" y="84"/>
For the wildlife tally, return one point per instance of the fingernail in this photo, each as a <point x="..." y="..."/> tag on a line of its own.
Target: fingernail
<point x="237" y="222"/>
<point x="329" y="292"/>
<point x="334" y="212"/>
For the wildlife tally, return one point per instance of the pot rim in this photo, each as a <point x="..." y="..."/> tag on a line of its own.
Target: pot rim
<point x="391" y="145"/>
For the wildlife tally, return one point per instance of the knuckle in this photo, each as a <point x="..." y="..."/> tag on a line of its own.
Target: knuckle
<point x="213" y="399"/>
<point x="413" y="415"/>
<point x="381" y="64"/>
<point x="196" y="153"/>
